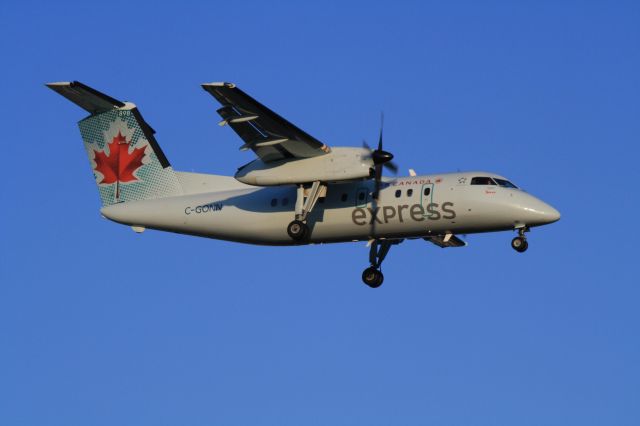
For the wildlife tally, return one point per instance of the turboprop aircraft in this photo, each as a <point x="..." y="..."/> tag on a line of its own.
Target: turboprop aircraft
<point x="297" y="191"/>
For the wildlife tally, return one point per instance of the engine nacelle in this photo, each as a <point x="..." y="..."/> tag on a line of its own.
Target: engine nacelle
<point x="338" y="165"/>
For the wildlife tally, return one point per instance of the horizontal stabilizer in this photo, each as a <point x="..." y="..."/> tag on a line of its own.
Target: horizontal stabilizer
<point x="85" y="97"/>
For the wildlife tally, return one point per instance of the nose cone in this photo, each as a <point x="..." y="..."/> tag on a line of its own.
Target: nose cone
<point x="537" y="212"/>
<point x="380" y="157"/>
<point x="552" y="214"/>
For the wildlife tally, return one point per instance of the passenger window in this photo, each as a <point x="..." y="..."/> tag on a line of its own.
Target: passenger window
<point x="427" y="191"/>
<point x="285" y="201"/>
<point x="482" y="181"/>
<point x="409" y="192"/>
<point x="343" y="198"/>
<point x="274" y="202"/>
<point x="398" y="193"/>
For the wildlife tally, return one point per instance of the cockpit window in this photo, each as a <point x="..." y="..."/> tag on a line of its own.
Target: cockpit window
<point x="505" y="183"/>
<point x="482" y="181"/>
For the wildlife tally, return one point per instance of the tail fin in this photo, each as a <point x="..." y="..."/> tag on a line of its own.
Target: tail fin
<point x="125" y="157"/>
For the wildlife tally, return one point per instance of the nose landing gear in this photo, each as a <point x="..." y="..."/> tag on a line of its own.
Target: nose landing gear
<point x="520" y="243"/>
<point x="372" y="276"/>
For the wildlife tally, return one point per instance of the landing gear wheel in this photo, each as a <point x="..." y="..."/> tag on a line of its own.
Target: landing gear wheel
<point x="520" y="244"/>
<point x="298" y="230"/>
<point x="372" y="277"/>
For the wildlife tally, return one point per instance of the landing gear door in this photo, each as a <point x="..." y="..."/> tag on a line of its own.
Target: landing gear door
<point x="426" y="195"/>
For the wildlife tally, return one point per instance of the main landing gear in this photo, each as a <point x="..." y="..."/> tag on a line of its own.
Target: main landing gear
<point x="298" y="230"/>
<point x="372" y="276"/>
<point x="520" y="243"/>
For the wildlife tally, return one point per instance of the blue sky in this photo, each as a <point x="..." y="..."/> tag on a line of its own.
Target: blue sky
<point x="101" y="326"/>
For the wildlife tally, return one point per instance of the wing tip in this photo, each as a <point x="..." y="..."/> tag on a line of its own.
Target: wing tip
<point x="219" y="84"/>
<point x="57" y="84"/>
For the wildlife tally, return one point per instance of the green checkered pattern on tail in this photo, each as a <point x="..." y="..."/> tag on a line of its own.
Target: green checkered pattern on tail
<point x="150" y="178"/>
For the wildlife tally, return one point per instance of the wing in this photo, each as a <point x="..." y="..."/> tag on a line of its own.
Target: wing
<point x="270" y="136"/>
<point x="447" y="240"/>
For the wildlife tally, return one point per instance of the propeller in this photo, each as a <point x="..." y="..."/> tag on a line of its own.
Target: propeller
<point x="381" y="159"/>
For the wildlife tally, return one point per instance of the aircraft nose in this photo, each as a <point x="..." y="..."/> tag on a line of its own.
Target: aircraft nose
<point x="551" y="214"/>
<point x="540" y="213"/>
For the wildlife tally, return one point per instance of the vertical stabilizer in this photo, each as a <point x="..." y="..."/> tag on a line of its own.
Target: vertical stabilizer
<point x="126" y="160"/>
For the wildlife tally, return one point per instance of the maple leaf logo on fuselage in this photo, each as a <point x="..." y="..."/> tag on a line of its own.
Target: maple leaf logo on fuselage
<point x="120" y="165"/>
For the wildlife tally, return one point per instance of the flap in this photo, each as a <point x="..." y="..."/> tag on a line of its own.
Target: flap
<point x="447" y="240"/>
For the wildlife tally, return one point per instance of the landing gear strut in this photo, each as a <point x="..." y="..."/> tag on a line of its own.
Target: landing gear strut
<point x="372" y="276"/>
<point x="520" y="243"/>
<point x="298" y="230"/>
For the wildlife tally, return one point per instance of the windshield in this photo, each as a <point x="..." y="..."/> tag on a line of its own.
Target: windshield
<point x="505" y="183"/>
<point x="482" y="181"/>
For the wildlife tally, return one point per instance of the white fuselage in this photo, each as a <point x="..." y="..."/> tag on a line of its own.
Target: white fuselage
<point x="408" y="207"/>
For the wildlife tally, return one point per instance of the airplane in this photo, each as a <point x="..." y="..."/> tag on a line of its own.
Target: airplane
<point x="297" y="191"/>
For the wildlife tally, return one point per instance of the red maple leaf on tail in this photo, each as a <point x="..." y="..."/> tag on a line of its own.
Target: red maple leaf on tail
<point x="120" y="165"/>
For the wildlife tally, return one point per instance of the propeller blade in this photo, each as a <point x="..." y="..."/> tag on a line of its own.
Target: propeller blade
<point x="369" y="154"/>
<point x="381" y="127"/>
<point x="392" y="167"/>
<point x="375" y="197"/>
<point x="381" y="159"/>
<point x="378" y="180"/>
